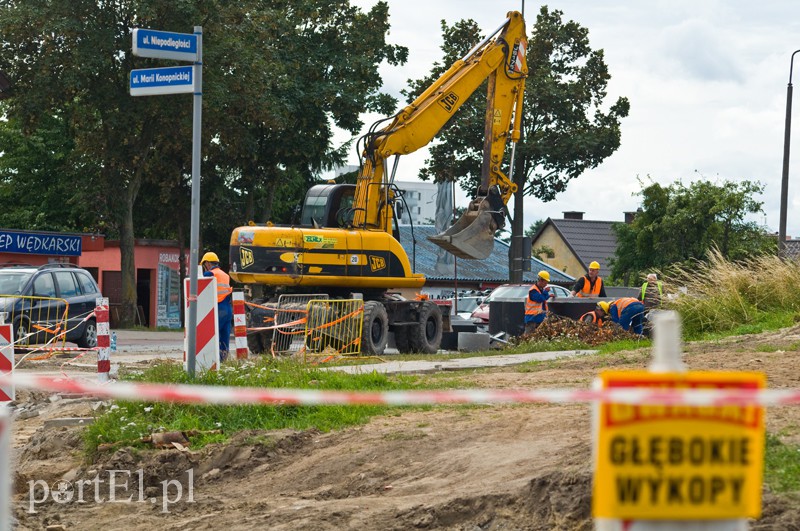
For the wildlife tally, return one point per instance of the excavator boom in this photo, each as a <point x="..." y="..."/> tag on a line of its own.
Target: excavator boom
<point x="500" y="59"/>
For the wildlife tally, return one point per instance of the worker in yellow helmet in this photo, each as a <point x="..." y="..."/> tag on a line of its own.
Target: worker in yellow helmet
<point x="590" y="285"/>
<point x="597" y="316"/>
<point x="536" y="302"/>
<point x="210" y="265"/>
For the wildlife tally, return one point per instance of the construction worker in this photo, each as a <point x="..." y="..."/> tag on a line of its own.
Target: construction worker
<point x="536" y="302"/>
<point x="597" y="316"/>
<point x="627" y="312"/>
<point x="210" y="265"/>
<point x="590" y="285"/>
<point x="652" y="292"/>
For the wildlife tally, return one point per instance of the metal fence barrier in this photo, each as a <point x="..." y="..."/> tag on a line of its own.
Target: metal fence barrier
<point x="333" y="328"/>
<point x="290" y="324"/>
<point x="37" y="321"/>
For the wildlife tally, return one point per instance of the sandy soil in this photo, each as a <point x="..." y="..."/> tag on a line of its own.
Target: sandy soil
<point x="520" y="467"/>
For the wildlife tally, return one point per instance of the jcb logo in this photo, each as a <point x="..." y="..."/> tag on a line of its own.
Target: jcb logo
<point x="245" y="257"/>
<point x="448" y="101"/>
<point x="376" y="263"/>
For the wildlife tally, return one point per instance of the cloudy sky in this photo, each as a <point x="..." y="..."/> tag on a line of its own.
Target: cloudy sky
<point x="706" y="80"/>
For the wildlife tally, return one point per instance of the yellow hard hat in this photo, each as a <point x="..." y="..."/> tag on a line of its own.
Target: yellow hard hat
<point x="209" y="257"/>
<point x="594" y="265"/>
<point x="545" y="275"/>
<point x="603" y="305"/>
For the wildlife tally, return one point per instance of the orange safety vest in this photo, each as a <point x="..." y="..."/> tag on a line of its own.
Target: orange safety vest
<point x="588" y="290"/>
<point x="623" y="303"/>
<point x="223" y="284"/>
<point x="534" y="308"/>
<point x="598" y="322"/>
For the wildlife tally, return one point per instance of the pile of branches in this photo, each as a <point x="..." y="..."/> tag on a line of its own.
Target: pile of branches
<point x="556" y="327"/>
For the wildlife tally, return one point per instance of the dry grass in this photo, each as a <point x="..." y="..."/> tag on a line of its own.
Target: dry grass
<point x="722" y="295"/>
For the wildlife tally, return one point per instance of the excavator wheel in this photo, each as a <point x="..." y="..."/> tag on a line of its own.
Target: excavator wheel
<point x="427" y="335"/>
<point x="375" y="332"/>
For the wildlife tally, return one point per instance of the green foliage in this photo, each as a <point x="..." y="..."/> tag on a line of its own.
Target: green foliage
<point x="126" y="422"/>
<point x="534" y="228"/>
<point x="565" y="130"/>
<point x="543" y="250"/>
<point x="743" y="297"/>
<point x="41" y="183"/>
<point x="276" y="78"/>
<point x="678" y="224"/>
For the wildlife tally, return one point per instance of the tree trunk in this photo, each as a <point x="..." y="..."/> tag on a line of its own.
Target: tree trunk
<point x="272" y="184"/>
<point x="128" y="265"/>
<point x="127" y="245"/>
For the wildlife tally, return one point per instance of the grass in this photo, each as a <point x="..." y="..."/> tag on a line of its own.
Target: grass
<point x="125" y="423"/>
<point x="782" y="465"/>
<point x="736" y="298"/>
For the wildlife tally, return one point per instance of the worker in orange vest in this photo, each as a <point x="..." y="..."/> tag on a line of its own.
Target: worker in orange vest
<point x="210" y="265"/>
<point x="536" y="302"/>
<point x="628" y="313"/>
<point x="590" y="285"/>
<point x="597" y="316"/>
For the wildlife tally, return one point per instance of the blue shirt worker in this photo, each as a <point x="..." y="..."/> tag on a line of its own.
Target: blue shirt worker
<point x="628" y="313"/>
<point x="210" y="264"/>
<point x="536" y="302"/>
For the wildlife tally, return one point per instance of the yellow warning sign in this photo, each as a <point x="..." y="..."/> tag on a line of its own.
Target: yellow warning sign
<point x="679" y="462"/>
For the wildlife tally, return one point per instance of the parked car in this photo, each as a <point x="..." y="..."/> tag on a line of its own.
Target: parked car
<point x="33" y="299"/>
<point x="510" y="292"/>
<point x="466" y="305"/>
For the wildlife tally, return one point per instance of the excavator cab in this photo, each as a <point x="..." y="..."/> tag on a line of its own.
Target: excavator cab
<point x="328" y="205"/>
<point x="472" y="236"/>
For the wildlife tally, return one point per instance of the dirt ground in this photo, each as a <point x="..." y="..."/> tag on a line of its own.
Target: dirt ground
<point x="521" y="467"/>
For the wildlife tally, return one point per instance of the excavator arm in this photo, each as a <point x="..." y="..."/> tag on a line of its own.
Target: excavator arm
<point x="501" y="60"/>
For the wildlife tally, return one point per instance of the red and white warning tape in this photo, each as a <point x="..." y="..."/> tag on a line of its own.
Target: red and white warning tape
<point x="205" y="394"/>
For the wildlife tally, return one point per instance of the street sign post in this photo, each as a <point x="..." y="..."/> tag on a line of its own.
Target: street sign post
<point x="166" y="45"/>
<point x="157" y="81"/>
<point x="176" y="80"/>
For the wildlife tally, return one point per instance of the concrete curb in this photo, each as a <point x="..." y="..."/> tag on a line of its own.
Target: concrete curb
<point x="422" y="366"/>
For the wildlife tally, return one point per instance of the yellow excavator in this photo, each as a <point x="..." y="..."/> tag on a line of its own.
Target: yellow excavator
<point x="347" y="240"/>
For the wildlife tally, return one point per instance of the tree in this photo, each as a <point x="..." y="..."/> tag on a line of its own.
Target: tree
<point x="534" y="228"/>
<point x="565" y="129"/>
<point x="276" y="76"/>
<point x="679" y="223"/>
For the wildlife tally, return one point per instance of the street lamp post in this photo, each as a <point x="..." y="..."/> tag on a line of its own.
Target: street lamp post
<point x="785" y="179"/>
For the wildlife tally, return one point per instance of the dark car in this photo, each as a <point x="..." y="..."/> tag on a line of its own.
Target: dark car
<point x="510" y="292"/>
<point x="33" y="299"/>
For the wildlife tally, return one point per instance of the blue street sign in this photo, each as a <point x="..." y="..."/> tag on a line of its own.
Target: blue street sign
<point x="169" y="80"/>
<point x="164" y="45"/>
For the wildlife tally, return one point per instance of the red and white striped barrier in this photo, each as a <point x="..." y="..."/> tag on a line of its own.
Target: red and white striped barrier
<point x="207" y="333"/>
<point x="103" y="339"/>
<point x="6" y="362"/>
<point x="239" y="326"/>
<point x="209" y="394"/>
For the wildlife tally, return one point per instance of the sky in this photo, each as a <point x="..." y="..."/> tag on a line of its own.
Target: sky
<point x="706" y="79"/>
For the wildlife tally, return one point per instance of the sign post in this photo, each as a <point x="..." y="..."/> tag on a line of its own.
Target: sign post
<point x="662" y="467"/>
<point x="176" y="80"/>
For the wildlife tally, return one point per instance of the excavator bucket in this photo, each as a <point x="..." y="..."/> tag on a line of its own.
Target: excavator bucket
<point x="472" y="236"/>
